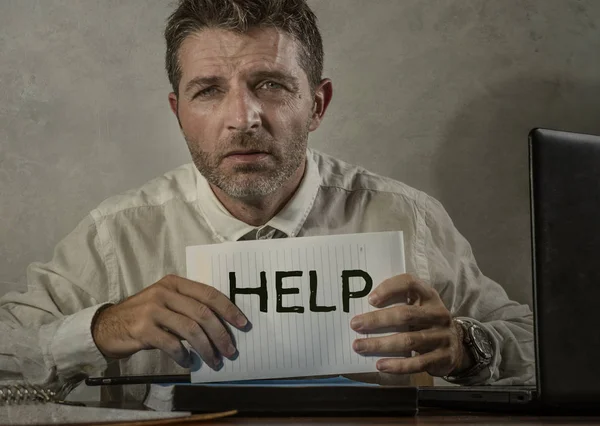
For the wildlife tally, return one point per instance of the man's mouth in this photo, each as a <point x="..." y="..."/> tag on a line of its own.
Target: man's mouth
<point x="245" y="152"/>
<point x="246" y="155"/>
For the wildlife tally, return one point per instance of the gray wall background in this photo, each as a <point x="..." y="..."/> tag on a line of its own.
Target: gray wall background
<point x="439" y="94"/>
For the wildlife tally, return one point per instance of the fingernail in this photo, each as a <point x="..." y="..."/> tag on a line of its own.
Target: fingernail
<point x="218" y="363"/>
<point x="373" y="299"/>
<point x="359" y="346"/>
<point x="356" y="323"/>
<point x="241" y="320"/>
<point x="230" y="350"/>
<point x="382" y="366"/>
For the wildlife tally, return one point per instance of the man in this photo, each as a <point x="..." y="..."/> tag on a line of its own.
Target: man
<point x="247" y="91"/>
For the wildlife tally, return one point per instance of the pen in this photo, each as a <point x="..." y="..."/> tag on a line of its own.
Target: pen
<point x="138" y="380"/>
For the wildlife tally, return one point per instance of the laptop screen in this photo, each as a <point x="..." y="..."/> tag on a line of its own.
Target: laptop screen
<point x="565" y="189"/>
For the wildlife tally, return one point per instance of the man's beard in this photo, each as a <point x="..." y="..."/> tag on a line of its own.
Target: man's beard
<point x="252" y="180"/>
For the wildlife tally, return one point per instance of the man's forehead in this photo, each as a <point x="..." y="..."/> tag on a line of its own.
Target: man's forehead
<point x="217" y="50"/>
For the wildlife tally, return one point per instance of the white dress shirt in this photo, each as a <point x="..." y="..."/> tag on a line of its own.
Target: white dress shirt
<point x="132" y="240"/>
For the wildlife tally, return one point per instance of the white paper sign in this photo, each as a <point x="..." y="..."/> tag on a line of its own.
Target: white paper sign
<point x="336" y="268"/>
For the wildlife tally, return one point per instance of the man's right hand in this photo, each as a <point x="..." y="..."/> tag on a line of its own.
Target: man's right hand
<point x="159" y="316"/>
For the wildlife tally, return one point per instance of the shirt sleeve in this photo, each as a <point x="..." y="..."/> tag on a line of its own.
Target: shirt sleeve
<point x="467" y="293"/>
<point x="46" y="331"/>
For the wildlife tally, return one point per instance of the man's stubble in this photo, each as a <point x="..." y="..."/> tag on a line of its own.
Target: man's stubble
<point x="248" y="181"/>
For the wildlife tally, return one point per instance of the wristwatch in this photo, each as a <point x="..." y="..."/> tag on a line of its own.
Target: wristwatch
<point x="479" y="345"/>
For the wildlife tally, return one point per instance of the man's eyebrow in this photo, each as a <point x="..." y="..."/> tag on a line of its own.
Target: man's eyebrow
<point x="202" y="81"/>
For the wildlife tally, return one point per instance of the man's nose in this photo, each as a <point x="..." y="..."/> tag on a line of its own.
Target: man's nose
<point x="242" y="112"/>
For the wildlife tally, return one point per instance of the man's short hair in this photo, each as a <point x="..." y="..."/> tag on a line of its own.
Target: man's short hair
<point x="293" y="17"/>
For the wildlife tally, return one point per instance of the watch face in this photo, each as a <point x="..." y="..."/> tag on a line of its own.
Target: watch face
<point x="483" y="343"/>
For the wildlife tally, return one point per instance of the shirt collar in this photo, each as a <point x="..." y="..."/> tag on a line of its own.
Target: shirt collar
<point x="289" y="220"/>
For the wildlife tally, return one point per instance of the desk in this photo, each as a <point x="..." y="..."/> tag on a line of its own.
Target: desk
<point x="426" y="417"/>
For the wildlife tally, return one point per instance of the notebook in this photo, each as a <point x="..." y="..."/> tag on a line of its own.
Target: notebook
<point x="323" y="396"/>
<point x="25" y="404"/>
<point x="300" y="295"/>
<point x="36" y="414"/>
<point x="23" y="393"/>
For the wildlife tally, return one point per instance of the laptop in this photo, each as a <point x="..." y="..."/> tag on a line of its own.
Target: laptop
<point x="565" y="218"/>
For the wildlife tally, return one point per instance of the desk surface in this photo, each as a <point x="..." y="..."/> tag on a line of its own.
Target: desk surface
<point x="426" y="417"/>
<point x="444" y="418"/>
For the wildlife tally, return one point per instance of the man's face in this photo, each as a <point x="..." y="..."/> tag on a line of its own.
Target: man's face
<point x="245" y="108"/>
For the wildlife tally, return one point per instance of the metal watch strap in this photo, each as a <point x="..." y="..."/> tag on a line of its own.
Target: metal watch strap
<point x="480" y="361"/>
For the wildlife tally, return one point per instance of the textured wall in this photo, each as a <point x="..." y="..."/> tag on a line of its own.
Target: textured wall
<point x="439" y="94"/>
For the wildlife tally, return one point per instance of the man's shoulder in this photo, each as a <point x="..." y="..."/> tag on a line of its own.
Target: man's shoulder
<point x="179" y="184"/>
<point x="339" y="174"/>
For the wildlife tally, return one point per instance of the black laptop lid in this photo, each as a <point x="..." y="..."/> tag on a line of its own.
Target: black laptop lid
<point x="565" y="189"/>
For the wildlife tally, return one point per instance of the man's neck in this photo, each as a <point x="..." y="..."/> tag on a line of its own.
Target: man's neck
<point x="257" y="212"/>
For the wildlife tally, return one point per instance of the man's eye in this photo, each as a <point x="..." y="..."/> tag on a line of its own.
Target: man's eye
<point x="204" y="93"/>
<point x="271" y="85"/>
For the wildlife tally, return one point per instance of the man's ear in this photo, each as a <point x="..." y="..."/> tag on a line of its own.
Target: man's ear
<point x="323" y="95"/>
<point x="173" y="104"/>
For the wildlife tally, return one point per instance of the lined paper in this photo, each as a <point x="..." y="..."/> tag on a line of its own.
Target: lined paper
<point x="292" y="344"/>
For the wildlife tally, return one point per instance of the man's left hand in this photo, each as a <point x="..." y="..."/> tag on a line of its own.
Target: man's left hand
<point x="423" y="325"/>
